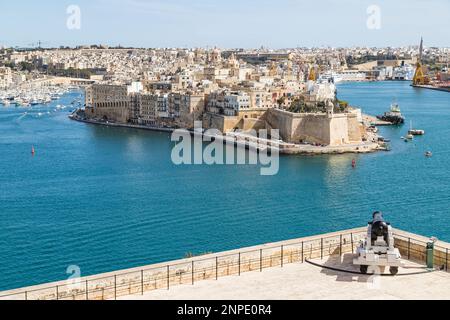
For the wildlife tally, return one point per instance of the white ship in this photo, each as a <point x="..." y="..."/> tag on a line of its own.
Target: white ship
<point x="330" y="77"/>
<point x="404" y="73"/>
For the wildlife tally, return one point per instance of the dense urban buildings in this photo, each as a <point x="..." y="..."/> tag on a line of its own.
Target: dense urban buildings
<point x="290" y="90"/>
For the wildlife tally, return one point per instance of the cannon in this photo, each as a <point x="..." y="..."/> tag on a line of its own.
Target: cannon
<point x="377" y="250"/>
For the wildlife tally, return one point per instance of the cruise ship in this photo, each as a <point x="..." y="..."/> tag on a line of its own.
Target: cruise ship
<point x="404" y="73"/>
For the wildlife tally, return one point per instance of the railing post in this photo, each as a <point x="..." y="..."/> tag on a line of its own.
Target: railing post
<point x="26" y="295"/>
<point x="260" y="260"/>
<point x="353" y="244"/>
<point x="87" y="291"/>
<point x="142" y="282"/>
<point x="409" y="248"/>
<point x="115" y="287"/>
<point x="217" y="268"/>
<point x="168" y="277"/>
<point x="446" y="259"/>
<point x="321" y="249"/>
<point x="239" y="263"/>
<point x="57" y="292"/>
<point x="193" y="273"/>
<point x="303" y="252"/>
<point x="340" y="246"/>
<point x="282" y="255"/>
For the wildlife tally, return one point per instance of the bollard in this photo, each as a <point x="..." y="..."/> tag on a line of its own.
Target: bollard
<point x="430" y="255"/>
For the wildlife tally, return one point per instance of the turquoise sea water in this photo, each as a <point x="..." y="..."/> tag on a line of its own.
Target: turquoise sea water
<point x="109" y="198"/>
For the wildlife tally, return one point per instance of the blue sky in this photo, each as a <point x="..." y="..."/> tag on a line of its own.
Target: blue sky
<point x="226" y="23"/>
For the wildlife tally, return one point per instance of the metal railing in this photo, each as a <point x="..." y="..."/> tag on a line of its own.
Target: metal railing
<point x="192" y="271"/>
<point x="416" y="250"/>
<point x="212" y="268"/>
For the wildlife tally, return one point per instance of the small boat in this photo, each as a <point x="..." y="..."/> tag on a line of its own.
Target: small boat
<point x="409" y="137"/>
<point x="415" y="132"/>
<point x="428" y="154"/>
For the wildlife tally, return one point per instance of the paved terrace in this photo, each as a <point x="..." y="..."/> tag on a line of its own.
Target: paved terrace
<point x="272" y="271"/>
<point x="308" y="282"/>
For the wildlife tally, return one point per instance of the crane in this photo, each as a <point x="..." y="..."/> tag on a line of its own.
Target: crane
<point x="312" y="74"/>
<point x="419" y="77"/>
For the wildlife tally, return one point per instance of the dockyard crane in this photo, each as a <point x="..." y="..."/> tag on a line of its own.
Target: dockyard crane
<point x="419" y="77"/>
<point x="312" y="74"/>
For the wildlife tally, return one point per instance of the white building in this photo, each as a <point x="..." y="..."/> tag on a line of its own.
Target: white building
<point x="235" y="102"/>
<point x="135" y="87"/>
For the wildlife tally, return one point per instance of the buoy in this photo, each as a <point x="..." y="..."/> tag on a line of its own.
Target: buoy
<point x="33" y="151"/>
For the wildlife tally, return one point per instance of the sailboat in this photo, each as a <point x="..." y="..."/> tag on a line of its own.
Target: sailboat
<point x="415" y="132"/>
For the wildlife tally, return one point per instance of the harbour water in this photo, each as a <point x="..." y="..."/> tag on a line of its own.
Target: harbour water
<point x="107" y="198"/>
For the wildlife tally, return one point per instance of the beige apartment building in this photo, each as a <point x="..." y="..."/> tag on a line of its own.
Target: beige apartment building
<point x="108" y="102"/>
<point x="186" y="107"/>
<point x="114" y="103"/>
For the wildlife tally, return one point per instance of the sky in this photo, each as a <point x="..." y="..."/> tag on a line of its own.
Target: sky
<point x="226" y="23"/>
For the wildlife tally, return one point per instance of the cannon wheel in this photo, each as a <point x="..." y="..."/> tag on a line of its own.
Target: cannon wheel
<point x="394" y="270"/>
<point x="364" y="269"/>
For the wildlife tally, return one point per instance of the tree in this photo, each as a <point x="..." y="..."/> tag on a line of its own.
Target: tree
<point x="281" y="101"/>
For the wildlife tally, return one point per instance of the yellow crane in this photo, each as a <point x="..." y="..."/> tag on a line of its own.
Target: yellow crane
<point x="312" y="74"/>
<point x="419" y="77"/>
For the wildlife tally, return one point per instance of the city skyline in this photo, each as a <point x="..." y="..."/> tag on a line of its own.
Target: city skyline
<point x="249" y="24"/>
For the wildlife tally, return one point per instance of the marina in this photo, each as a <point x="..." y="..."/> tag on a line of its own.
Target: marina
<point x="33" y="95"/>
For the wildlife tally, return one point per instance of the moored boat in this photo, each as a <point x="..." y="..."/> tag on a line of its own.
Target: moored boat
<point x="415" y="132"/>
<point x="394" y="116"/>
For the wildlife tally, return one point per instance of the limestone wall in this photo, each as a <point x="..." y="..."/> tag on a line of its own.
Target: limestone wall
<point x="355" y="129"/>
<point x="117" y="114"/>
<point x="339" y="130"/>
<point x="316" y="128"/>
<point x="246" y="120"/>
<point x="297" y="127"/>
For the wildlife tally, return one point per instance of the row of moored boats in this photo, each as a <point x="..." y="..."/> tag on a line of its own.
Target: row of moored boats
<point x="32" y="96"/>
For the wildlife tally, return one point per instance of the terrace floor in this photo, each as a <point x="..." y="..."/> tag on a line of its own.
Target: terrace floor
<point x="306" y="281"/>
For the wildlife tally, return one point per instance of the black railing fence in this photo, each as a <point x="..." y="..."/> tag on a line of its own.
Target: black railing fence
<point x="215" y="267"/>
